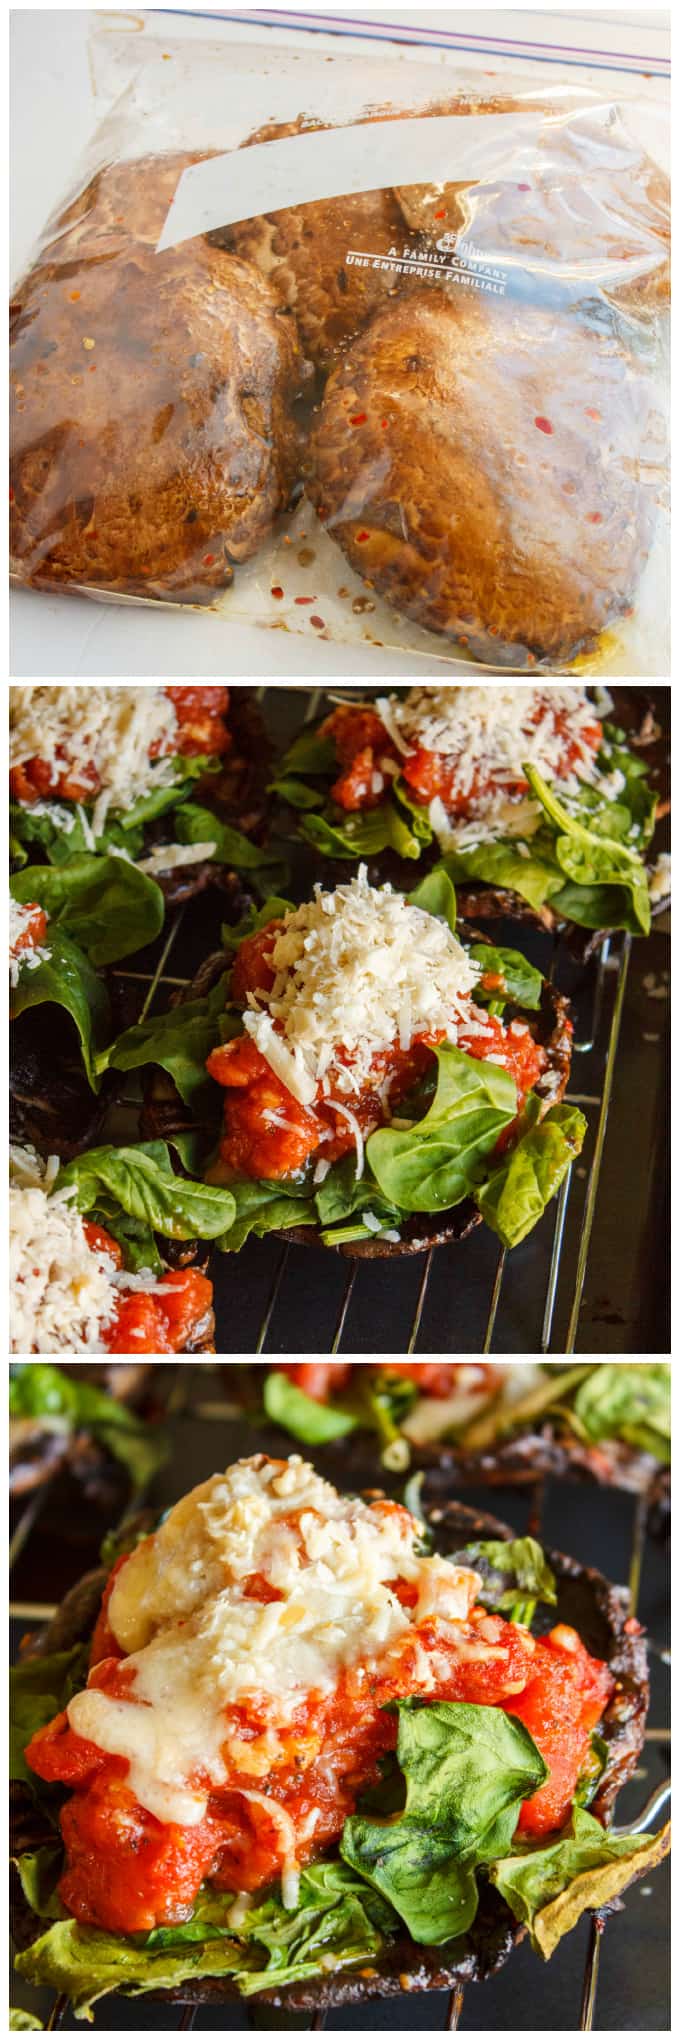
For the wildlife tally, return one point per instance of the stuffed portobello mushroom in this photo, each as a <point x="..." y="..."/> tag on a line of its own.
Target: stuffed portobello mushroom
<point x="300" y="1754"/>
<point x="384" y="1085"/>
<point x="541" y="802"/>
<point x="475" y="1421"/>
<point x="169" y="782"/>
<point x="107" y="1253"/>
<point x="81" y="1429"/>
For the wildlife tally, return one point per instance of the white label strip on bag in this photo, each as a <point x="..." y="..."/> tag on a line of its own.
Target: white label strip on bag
<point x="333" y="162"/>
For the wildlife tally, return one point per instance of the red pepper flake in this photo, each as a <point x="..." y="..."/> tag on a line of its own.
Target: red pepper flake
<point x="208" y="559"/>
<point x="594" y="517"/>
<point x="544" y="424"/>
<point x="361" y="535"/>
<point x="384" y="422"/>
<point x="597" y="415"/>
<point x="442" y="214"/>
<point x="318" y="622"/>
<point x="277" y="593"/>
<point x="359" y="418"/>
<point x="303" y="601"/>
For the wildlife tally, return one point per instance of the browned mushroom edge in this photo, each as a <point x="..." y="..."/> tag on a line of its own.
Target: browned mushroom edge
<point x="586" y="1601"/>
<point x="541" y="1452"/>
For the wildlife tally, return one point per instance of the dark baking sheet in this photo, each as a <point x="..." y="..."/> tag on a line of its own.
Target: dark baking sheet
<point x="594" y="1525"/>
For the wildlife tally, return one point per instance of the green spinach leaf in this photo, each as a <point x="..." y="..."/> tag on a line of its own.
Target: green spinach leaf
<point x="314" y="1423"/>
<point x="628" y="1402"/>
<point x="104" y="904"/>
<point x="436" y="1163"/>
<point x="549" y="1887"/>
<point x="524" y="1562"/>
<point x="436" y="895"/>
<point x="517" y="980"/>
<point x="467" y="1771"/>
<point x="41" y="1687"/>
<point x="143" y="1182"/>
<point x="67" y="979"/>
<point x="363" y="834"/>
<point x="516" y="1193"/>
<point x="180" y="1042"/>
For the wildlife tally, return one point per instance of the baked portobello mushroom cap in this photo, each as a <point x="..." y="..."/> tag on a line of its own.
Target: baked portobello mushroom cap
<point x="154" y="440"/>
<point x="535" y="1453"/>
<point x="37" y="1454"/>
<point x="51" y="1105"/>
<point x="165" y="1114"/>
<point x="486" y="466"/>
<point x="585" y="1600"/>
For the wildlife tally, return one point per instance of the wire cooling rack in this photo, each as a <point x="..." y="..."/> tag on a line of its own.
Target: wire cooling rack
<point x="580" y="1989"/>
<point x="592" y="1276"/>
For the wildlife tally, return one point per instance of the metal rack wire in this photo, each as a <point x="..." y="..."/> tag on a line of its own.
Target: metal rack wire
<point x="182" y="1400"/>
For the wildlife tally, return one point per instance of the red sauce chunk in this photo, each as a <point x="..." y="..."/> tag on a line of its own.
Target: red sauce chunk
<point x="163" y="1321"/>
<point x="269" y="1134"/>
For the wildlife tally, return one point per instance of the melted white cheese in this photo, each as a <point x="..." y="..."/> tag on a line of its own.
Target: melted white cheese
<point x="198" y="1644"/>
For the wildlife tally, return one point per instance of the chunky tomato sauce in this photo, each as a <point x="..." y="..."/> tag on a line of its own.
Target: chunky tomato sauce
<point x="267" y="1133"/>
<point x="160" y="1323"/>
<point x="33" y="934"/>
<point x="369" y="758"/>
<point x="128" y="1871"/>
<point x="201" y="731"/>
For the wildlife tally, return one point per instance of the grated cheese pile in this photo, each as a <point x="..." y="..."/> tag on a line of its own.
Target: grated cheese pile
<point x="28" y="957"/>
<point x="112" y="728"/>
<point x="488" y="730"/>
<point x="358" y="968"/>
<point x="199" y="1645"/>
<point x="63" y="1292"/>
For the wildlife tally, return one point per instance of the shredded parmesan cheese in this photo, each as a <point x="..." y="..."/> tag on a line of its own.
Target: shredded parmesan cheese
<point x="167" y="856"/>
<point x="112" y="728"/>
<point x="489" y="733"/>
<point x="199" y="1646"/>
<point x="356" y="969"/>
<point x="64" y="1292"/>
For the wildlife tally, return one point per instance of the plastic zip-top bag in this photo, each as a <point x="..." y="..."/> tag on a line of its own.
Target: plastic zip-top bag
<point x="330" y="341"/>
